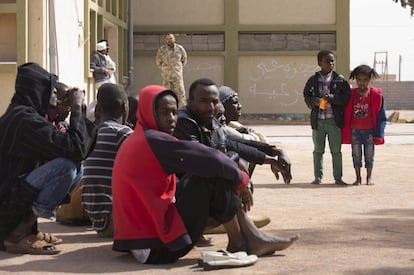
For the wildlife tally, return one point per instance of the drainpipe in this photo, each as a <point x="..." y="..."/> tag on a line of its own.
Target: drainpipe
<point x="130" y="48"/>
<point x="399" y="67"/>
<point x="53" y="52"/>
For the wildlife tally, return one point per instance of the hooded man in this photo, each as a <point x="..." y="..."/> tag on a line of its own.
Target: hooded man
<point x="39" y="165"/>
<point x="151" y="221"/>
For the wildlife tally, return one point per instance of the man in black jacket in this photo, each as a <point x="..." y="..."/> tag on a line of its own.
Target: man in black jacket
<point x="196" y="122"/>
<point x="39" y="165"/>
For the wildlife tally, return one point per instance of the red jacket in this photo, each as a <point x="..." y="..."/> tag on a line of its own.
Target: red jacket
<point x="378" y="116"/>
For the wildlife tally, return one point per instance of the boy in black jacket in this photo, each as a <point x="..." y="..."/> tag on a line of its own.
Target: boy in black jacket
<point x="326" y="93"/>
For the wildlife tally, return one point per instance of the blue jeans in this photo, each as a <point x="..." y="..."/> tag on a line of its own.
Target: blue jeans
<point x="362" y="138"/>
<point x="54" y="179"/>
<point x="327" y="128"/>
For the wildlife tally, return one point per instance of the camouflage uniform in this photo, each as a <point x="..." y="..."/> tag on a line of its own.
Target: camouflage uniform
<point x="171" y="62"/>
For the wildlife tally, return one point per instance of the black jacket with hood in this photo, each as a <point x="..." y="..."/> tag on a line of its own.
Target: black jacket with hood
<point x="27" y="140"/>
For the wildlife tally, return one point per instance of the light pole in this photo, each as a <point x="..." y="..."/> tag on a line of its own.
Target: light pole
<point x="399" y="67"/>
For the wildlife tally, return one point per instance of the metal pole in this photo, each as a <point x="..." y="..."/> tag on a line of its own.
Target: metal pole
<point x="130" y="48"/>
<point x="53" y="50"/>
<point x="399" y="67"/>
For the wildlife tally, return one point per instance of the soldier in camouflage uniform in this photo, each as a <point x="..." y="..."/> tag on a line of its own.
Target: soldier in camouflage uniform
<point x="171" y="59"/>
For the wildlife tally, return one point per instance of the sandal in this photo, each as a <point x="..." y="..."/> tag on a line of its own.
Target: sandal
<point x="49" y="238"/>
<point x="31" y="245"/>
<point x="204" y="241"/>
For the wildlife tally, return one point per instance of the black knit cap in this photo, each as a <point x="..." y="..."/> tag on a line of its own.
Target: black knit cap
<point x="225" y="93"/>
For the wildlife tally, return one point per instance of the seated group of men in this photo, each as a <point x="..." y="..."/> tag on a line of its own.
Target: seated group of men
<point x="154" y="189"/>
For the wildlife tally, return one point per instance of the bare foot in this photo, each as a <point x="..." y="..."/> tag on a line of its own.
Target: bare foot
<point x="270" y="244"/>
<point x="357" y="181"/>
<point x="235" y="248"/>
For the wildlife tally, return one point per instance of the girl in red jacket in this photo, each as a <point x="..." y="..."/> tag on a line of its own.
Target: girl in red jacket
<point x="365" y="120"/>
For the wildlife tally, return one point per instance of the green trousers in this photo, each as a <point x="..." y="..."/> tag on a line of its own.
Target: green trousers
<point x="327" y="128"/>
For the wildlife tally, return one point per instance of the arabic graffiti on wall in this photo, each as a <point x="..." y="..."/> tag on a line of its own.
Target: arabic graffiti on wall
<point x="276" y="84"/>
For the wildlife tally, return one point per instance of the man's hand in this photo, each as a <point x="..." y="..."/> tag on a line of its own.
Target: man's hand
<point x="284" y="159"/>
<point x="317" y="101"/>
<point x="286" y="173"/>
<point x="282" y="165"/>
<point x="246" y="198"/>
<point x="245" y="130"/>
<point x="285" y="170"/>
<point x="275" y="170"/>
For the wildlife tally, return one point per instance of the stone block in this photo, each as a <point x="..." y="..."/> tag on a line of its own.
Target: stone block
<point x="327" y="37"/>
<point x="200" y="47"/>
<point x="311" y="42"/>
<point x="152" y="38"/>
<point x="151" y="46"/>
<point x="184" y="39"/>
<point x="215" y="38"/>
<point x="138" y="38"/>
<point x="327" y="46"/>
<point x="216" y="46"/>
<point x="199" y="38"/>
<point x="262" y="42"/>
<point x="279" y="41"/>
<point x="139" y="46"/>
<point x="295" y="42"/>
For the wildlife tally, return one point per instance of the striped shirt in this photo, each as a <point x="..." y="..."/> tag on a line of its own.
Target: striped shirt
<point x="96" y="190"/>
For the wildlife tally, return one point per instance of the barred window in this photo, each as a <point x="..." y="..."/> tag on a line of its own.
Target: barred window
<point x="191" y="42"/>
<point x="287" y="41"/>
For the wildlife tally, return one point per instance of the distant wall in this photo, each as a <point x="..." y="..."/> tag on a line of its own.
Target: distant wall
<point x="398" y="95"/>
<point x="7" y="86"/>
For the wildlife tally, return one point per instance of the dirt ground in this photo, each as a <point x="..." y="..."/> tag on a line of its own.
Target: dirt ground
<point x="344" y="230"/>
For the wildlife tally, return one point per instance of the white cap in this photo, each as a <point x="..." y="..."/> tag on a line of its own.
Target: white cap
<point x="101" y="46"/>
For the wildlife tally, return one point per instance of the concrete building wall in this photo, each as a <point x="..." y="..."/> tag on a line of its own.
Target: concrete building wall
<point x="29" y="35"/>
<point x="37" y="39"/>
<point x="285" y="12"/>
<point x="8" y="54"/>
<point x="275" y="83"/>
<point x="69" y="53"/>
<point x="178" y="12"/>
<point x="8" y="38"/>
<point x="7" y="90"/>
<point x="264" y="49"/>
<point x="70" y="40"/>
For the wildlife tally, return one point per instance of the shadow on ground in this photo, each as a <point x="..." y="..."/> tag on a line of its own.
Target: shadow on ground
<point x="392" y="228"/>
